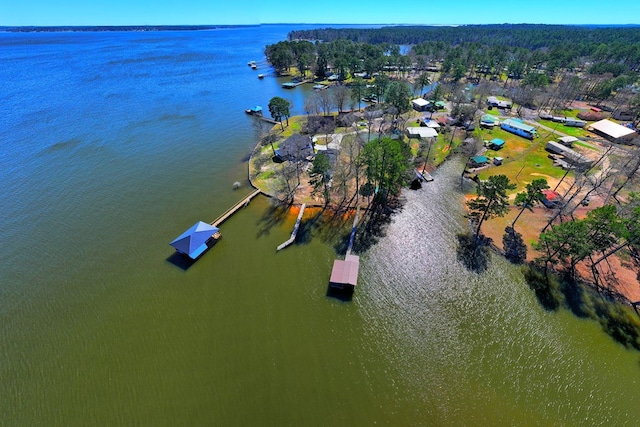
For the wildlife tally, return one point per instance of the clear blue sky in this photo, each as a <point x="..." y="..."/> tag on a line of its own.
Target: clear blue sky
<point x="193" y="12"/>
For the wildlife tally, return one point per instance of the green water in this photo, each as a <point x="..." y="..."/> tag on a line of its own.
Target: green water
<point x="247" y="336"/>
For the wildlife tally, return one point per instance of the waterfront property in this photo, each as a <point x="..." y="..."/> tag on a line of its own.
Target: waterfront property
<point x="297" y="147"/>
<point x="613" y="131"/>
<point x="518" y="127"/>
<point x="196" y="240"/>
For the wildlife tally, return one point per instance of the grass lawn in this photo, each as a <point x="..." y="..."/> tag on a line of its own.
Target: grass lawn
<point x="522" y="169"/>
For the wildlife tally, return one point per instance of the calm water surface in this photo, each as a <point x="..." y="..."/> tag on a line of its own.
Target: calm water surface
<point x="113" y="143"/>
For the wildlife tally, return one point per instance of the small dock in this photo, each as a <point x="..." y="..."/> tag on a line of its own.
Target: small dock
<point x="295" y="230"/>
<point x="291" y="85"/>
<point x="353" y="231"/>
<point x="242" y="203"/>
<point x="423" y="176"/>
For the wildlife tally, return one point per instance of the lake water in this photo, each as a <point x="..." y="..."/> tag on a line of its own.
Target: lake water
<point x="112" y="144"/>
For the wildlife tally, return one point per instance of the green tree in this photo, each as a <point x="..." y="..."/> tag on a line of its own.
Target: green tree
<point x="381" y="84"/>
<point x="422" y="81"/>
<point x="279" y="109"/>
<point x="567" y="242"/>
<point x="492" y="200"/>
<point x="387" y="162"/>
<point x="398" y="96"/>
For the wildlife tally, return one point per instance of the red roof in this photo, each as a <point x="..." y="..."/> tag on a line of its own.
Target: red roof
<point x="550" y="195"/>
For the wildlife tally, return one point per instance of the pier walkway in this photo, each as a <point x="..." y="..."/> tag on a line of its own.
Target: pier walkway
<point x="242" y="203"/>
<point x="295" y="230"/>
<point x="353" y="231"/>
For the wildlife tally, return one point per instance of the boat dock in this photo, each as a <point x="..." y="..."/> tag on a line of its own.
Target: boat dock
<point x="291" y="85"/>
<point x="353" y="231"/>
<point x="344" y="274"/>
<point x="242" y="203"/>
<point x="295" y="230"/>
<point x="423" y="176"/>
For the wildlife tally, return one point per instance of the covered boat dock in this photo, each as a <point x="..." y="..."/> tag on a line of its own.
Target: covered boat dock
<point x="196" y="240"/>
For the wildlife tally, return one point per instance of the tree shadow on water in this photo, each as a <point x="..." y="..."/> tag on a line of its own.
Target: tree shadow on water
<point x="473" y="254"/>
<point x="275" y="215"/>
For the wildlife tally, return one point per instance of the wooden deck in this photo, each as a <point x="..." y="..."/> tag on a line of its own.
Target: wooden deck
<point x="242" y="203"/>
<point x="295" y="230"/>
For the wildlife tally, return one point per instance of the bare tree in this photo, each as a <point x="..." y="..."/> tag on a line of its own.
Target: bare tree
<point x="341" y="94"/>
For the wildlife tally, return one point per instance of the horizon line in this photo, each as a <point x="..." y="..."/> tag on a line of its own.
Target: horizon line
<point x="298" y="23"/>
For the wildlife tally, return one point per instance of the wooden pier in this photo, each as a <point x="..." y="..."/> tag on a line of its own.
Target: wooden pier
<point x="242" y="203"/>
<point x="423" y="176"/>
<point x="353" y="231"/>
<point x="295" y="229"/>
<point x="291" y="85"/>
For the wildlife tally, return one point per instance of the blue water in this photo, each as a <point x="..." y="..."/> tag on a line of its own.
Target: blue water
<point x="112" y="144"/>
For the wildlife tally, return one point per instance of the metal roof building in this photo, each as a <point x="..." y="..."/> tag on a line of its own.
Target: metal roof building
<point x="193" y="242"/>
<point x="422" y="132"/>
<point x="345" y="273"/>
<point x="612" y="131"/>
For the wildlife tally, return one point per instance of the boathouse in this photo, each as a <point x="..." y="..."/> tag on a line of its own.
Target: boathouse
<point x="196" y="240"/>
<point x="344" y="274"/>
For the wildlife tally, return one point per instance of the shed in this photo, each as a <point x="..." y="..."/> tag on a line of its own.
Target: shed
<point x="568" y="140"/>
<point x="497" y="161"/>
<point x="419" y="104"/>
<point x="440" y="105"/>
<point x="496" y="144"/>
<point x="421" y="132"/>
<point x="344" y="274"/>
<point x="552" y="199"/>
<point x="477" y="161"/>
<point x="612" y="131"/>
<point x="195" y="241"/>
